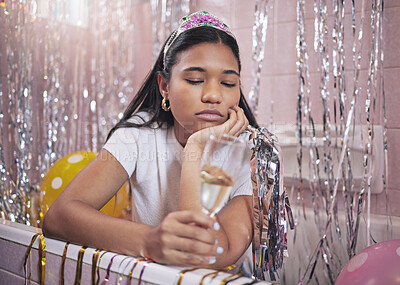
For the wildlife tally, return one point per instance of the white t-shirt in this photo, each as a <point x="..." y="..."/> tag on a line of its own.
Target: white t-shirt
<point x="152" y="158"/>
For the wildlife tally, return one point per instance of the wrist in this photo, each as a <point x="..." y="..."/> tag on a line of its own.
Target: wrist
<point x="192" y="150"/>
<point x="148" y="243"/>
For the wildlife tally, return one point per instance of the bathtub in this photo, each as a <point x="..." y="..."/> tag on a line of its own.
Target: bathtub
<point x="15" y="239"/>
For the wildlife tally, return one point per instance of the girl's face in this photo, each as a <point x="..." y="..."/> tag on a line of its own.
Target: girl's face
<point x="204" y="84"/>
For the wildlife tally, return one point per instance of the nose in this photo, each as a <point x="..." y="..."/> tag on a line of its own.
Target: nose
<point x="211" y="93"/>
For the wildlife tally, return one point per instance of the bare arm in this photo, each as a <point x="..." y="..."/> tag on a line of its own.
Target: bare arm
<point x="236" y="217"/>
<point x="74" y="217"/>
<point x="236" y="231"/>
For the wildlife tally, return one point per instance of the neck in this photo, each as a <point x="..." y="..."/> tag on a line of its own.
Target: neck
<point x="181" y="134"/>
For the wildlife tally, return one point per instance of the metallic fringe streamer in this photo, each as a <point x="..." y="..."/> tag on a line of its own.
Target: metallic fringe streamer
<point x="133" y="267"/>
<point x="273" y="207"/>
<point x="340" y="99"/>
<point x="357" y="47"/>
<point x="107" y="277"/>
<point x="259" y="36"/>
<point x="211" y="274"/>
<point x="343" y="123"/>
<point x="304" y="116"/>
<point x="62" y="63"/>
<point x="231" y="278"/>
<point x="16" y="109"/>
<point x="4" y="172"/>
<point x="182" y="273"/>
<point x="372" y="91"/>
<point x="63" y="259"/>
<point x="121" y="272"/>
<point x="321" y="47"/>
<point x="95" y="258"/>
<point x="42" y="258"/>
<point x="385" y="176"/>
<point x="166" y="15"/>
<point x="79" y="264"/>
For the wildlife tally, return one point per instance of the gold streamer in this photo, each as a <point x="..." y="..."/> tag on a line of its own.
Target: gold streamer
<point x="98" y="268"/>
<point x="121" y="273"/>
<point x="215" y="273"/>
<point x="42" y="259"/>
<point x="142" y="271"/>
<point x="79" y="264"/>
<point x="231" y="278"/>
<point x="212" y="274"/>
<point x="95" y="257"/>
<point x="260" y="260"/>
<point x="64" y="257"/>
<point x="27" y="255"/>
<point x="230" y="267"/>
<point x="183" y="272"/>
<point x="107" y="278"/>
<point x="133" y="267"/>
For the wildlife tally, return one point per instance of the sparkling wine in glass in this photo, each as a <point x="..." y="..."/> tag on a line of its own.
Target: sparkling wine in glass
<point x="221" y="162"/>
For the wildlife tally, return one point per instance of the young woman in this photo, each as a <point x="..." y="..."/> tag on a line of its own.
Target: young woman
<point x="192" y="91"/>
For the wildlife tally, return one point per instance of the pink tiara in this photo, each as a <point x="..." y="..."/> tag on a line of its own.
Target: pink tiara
<point x="195" y="20"/>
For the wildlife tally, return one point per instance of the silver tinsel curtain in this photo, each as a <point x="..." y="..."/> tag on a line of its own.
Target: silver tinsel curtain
<point x="348" y="103"/>
<point x="166" y="14"/>
<point x="66" y="77"/>
<point x="65" y="80"/>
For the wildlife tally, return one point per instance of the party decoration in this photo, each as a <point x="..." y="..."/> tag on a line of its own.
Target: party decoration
<point x="62" y="173"/>
<point x="326" y="182"/>
<point x="272" y="206"/>
<point x="259" y="35"/>
<point x="60" y="64"/>
<point x="50" y="106"/>
<point x="165" y="16"/>
<point x="195" y="20"/>
<point x="376" y="264"/>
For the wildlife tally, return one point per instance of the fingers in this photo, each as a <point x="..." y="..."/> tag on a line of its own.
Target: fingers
<point x="192" y="225"/>
<point x="178" y="257"/>
<point x="237" y="121"/>
<point x="234" y="126"/>
<point x="198" y="217"/>
<point x="191" y="246"/>
<point x="186" y="237"/>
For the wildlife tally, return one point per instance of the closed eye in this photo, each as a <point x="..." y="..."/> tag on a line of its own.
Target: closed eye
<point x="230" y="85"/>
<point x="194" y="82"/>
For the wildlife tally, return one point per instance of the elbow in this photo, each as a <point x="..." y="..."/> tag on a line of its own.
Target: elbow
<point x="46" y="225"/>
<point x="49" y="223"/>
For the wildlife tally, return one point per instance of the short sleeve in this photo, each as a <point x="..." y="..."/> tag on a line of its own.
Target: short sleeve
<point x="123" y="146"/>
<point x="243" y="185"/>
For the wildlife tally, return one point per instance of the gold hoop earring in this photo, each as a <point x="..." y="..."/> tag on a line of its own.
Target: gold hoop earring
<point x="164" y="105"/>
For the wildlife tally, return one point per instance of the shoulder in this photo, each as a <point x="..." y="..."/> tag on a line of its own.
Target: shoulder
<point x="136" y="128"/>
<point x="140" y="117"/>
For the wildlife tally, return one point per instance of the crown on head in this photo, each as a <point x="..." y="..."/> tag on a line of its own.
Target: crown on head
<point x="195" y="20"/>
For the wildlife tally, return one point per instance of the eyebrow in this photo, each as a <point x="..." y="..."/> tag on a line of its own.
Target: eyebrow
<point x="200" y="69"/>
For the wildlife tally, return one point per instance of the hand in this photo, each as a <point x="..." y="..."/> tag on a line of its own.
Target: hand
<point x="183" y="238"/>
<point x="234" y="126"/>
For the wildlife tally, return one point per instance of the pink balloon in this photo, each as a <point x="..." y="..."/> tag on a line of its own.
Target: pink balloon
<point x="377" y="264"/>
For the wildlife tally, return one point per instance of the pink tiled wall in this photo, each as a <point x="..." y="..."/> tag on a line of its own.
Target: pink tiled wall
<point x="279" y="80"/>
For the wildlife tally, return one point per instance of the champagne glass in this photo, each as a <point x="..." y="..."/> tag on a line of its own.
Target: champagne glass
<point x="221" y="162"/>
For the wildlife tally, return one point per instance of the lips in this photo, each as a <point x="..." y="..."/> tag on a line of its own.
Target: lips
<point x="209" y="115"/>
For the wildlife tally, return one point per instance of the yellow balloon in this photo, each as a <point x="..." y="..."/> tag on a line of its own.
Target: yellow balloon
<point x="61" y="174"/>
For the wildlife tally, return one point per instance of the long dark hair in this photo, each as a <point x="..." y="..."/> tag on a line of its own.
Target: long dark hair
<point x="148" y="98"/>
